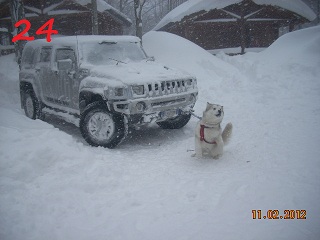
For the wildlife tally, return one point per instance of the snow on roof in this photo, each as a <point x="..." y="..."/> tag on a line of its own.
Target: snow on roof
<point x="103" y="6"/>
<point x="62" y="12"/>
<point x="193" y="6"/>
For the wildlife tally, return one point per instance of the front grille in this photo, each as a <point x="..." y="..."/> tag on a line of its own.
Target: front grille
<point x="169" y="87"/>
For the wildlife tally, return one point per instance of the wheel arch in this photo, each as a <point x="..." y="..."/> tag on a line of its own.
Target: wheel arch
<point x="88" y="97"/>
<point x="24" y="86"/>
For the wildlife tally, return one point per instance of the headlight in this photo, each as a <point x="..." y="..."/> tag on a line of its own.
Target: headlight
<point x="138" y="89"/>
<point x="119" y="93"/>
<point x="189" y="82"/>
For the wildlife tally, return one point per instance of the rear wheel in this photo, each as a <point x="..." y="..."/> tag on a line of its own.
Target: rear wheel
<point x="175" y="123"/>
<point x="99" y="127"/>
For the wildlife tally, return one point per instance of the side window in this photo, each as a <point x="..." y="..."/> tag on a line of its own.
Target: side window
<point x="27" y="58"/>
<point x="36" y="56"/>
<point x="45" y="55"/>
<point x="65" y="53"/>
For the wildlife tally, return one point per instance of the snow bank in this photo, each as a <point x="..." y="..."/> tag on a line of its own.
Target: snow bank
<point x="193" y="6"/>
<point x="301" y="47"/>
<point x="214" y="76"/>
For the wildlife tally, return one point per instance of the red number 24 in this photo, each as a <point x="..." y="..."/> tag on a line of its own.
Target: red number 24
<point x="41" y="30"/>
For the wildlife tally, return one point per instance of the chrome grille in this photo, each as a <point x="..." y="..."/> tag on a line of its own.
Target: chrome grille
<point x="168" y="87"/>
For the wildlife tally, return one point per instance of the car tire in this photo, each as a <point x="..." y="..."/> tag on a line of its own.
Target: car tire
<point x="100" y="127"/>
<point x="175" y="123"/>
<point x="31" y="105"/>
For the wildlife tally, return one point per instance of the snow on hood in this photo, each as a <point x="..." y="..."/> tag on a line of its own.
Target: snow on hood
<point x="193" y="6"/>
<point x="132" y="73"/>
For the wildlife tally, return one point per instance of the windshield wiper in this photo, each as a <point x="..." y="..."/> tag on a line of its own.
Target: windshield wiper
<point x="107" y="42"/>
<point x="118" y="61"/>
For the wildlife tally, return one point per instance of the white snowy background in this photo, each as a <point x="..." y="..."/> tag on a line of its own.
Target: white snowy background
<point x="54" y="186"/>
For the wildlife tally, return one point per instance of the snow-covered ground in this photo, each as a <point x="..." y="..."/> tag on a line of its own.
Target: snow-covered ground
<point x="54" y="186"/>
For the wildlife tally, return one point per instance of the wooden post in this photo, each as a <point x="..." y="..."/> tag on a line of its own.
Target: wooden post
<point x="242" y="25"/>
<point x="95" y="27"/>
<point x="242" y="22"/>
<point x="17" y="13"/>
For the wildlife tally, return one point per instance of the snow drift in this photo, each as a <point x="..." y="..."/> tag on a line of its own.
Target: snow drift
<point x="214" y="76"/>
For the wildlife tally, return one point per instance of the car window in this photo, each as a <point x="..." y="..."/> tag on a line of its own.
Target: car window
<point x="45" y="55"/>
<point x="28" y="57"/>
<point x="65" y="53"/>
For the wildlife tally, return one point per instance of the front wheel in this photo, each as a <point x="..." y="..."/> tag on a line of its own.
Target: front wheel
<point x="175" y="123"/>
<point x="99" y="127"/>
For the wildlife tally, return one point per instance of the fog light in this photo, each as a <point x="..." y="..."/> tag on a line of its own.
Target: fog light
<point x="119" y="92"/>
<point x="140" y="107"/>
<point x="192" y="98"/>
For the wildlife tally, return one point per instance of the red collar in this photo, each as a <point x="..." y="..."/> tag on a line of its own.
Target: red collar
<point x="202" y="127"/>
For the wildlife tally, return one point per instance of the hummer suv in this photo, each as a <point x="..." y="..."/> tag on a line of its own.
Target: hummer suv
<point x="106" y="81"/>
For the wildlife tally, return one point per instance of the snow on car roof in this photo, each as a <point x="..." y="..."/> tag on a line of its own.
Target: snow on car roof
<point x="193" y="6"/>
<point x="72" y="40"/>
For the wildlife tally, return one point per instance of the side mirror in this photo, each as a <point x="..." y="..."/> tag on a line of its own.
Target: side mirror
<point x="65" y="64"/>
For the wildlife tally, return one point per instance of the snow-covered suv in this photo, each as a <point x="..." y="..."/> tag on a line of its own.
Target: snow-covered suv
<point x="107" y="81"/>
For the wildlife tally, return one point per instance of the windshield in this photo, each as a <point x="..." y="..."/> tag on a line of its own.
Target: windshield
<point x="110" y="52"/>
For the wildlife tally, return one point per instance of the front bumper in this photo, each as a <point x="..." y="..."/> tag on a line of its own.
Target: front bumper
<point x="153" y="109"/>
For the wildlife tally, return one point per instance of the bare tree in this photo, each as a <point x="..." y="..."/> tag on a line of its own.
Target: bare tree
<point x="123" y="4"/>
<point x="138" y="7"/>
<point x="146" y="13"/>
<point x="174" y="3"/>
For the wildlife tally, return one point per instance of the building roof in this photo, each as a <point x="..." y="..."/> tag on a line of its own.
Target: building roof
<point x="193" y="6"/>
<point x="35" y="9"/>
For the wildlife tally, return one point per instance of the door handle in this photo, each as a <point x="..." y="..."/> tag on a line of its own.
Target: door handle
<point x="71" y="74"/>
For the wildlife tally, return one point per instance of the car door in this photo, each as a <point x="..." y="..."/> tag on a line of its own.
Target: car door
<point x="44" y="72"/>
<point x="66" y="82"/>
